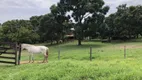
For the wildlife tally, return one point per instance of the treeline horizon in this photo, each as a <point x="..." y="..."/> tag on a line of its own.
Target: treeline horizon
<point x="90" y="22"/>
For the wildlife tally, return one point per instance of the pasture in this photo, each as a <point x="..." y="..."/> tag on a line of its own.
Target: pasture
<point x="107" y="63"/>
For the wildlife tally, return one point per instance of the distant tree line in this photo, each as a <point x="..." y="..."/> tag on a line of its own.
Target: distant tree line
<point x="124" y="24"/>
<point x="87" y="17"/>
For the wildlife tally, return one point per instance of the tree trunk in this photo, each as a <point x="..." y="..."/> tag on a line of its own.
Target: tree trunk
<point x="80" y="33"/>
<point x="109" y="39"/>
<point x="79" y="39"/>
<point x="51" y="41"/>
<point x="137" y="36"/>
<point x="79" y="42"/>
<point x="57" y="41"/>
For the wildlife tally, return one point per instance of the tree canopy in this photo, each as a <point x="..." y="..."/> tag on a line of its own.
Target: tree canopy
<point x="86" y="17"/>
<point x="18" y="31"/>
<point x="82" y="10"/>
<point x="126" y="22"/>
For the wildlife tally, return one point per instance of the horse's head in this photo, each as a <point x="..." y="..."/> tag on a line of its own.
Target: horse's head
<point x="22" y="46"/>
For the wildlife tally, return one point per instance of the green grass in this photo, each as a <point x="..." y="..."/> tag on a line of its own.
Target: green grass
<point x="108" y="63"/>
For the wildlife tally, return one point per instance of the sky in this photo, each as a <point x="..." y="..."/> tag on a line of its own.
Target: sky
<point x="24" y="9"/>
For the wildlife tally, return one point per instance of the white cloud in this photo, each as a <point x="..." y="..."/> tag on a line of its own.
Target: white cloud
<point x="45" y="3"/>
<point x="24" y="9"/>
<point x="27" y="3"/>
<point x="115" y="3"/>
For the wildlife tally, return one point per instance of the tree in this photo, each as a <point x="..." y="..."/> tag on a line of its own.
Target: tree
<point x="1" y="34"/>
<point x="104" y="31"/>
<point x="135" y="19"/>
<point x="49" y="28"/>
<point x="35" y="22"/>
<point x="59" y="16"/>
<point x="18" y="31"/>
<point x="82" y="9"/>
<point x="111" y="25"/>
<point x="126" y="22"/>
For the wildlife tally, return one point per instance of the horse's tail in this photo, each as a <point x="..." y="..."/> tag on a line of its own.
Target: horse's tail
<point x="47" y="51"/>
<point x="46" y="55"/>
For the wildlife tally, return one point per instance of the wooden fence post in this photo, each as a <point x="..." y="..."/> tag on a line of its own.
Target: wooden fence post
<point x="19" y="56"/>
<point x="90" y="53"/>
<point x="15" y="45"/>
<point x="124" y="52"/>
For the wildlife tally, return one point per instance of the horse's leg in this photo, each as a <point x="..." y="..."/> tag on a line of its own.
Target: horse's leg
<point x="44" y="59"/>
<point x="46" y="56"/>
<point x="29" y="58"/>
<point x="32" y="58"/>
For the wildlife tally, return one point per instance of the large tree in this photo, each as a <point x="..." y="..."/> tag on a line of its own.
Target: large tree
<point x="35" y="22"/>
<point x="61" y="18"/>
<point x="80" y="10"/>
<point x="126" y="22"/>
<point x="49" y="28"/>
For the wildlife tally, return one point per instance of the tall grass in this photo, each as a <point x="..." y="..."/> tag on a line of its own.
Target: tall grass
<point x="108" y="63"/>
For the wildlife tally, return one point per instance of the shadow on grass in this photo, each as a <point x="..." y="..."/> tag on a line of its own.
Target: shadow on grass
<point x="88" y="58"/>
<point x="71" y="47"/>
<point x="6" y="65"/>
<point x="83" y="46"/>
<point x="117" y="41"/>
<point x="73" y="44"/>
<point x="91" y="43"/>
<point x="96" y="40"/>
<point x="81" y="58"/>
<point x="56" y="44"/>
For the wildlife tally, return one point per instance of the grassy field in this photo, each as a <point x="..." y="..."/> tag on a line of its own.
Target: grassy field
<point x="108" y="63"/>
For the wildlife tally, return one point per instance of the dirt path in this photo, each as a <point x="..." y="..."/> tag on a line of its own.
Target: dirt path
<point x="27" y="62"/>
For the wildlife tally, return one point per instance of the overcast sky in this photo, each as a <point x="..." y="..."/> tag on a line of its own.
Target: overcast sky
<point x="24" y="9"/>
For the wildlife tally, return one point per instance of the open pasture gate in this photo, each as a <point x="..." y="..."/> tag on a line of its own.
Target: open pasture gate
<point x="10" y="53"/>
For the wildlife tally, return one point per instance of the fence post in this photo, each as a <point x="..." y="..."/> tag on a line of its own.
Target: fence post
<point x="59" y="53"/>
<point x="19" y="57"/>
<point x="124" y="52"/>
<point x="15" y="45"/>
<point x="90" y="53"/>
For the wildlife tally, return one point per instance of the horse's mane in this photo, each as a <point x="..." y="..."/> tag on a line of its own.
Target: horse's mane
<point x="24" y="44"/>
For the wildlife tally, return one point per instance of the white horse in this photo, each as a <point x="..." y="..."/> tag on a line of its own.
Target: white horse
<point x="32" y="49"/>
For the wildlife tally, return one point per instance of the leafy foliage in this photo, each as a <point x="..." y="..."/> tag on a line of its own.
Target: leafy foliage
<point x="82" y="10"/>
<point x="49" y="28"/>
<point x="18" y="31"/>
<point x="87" y="17"/>
<point x="126" y="22"/>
